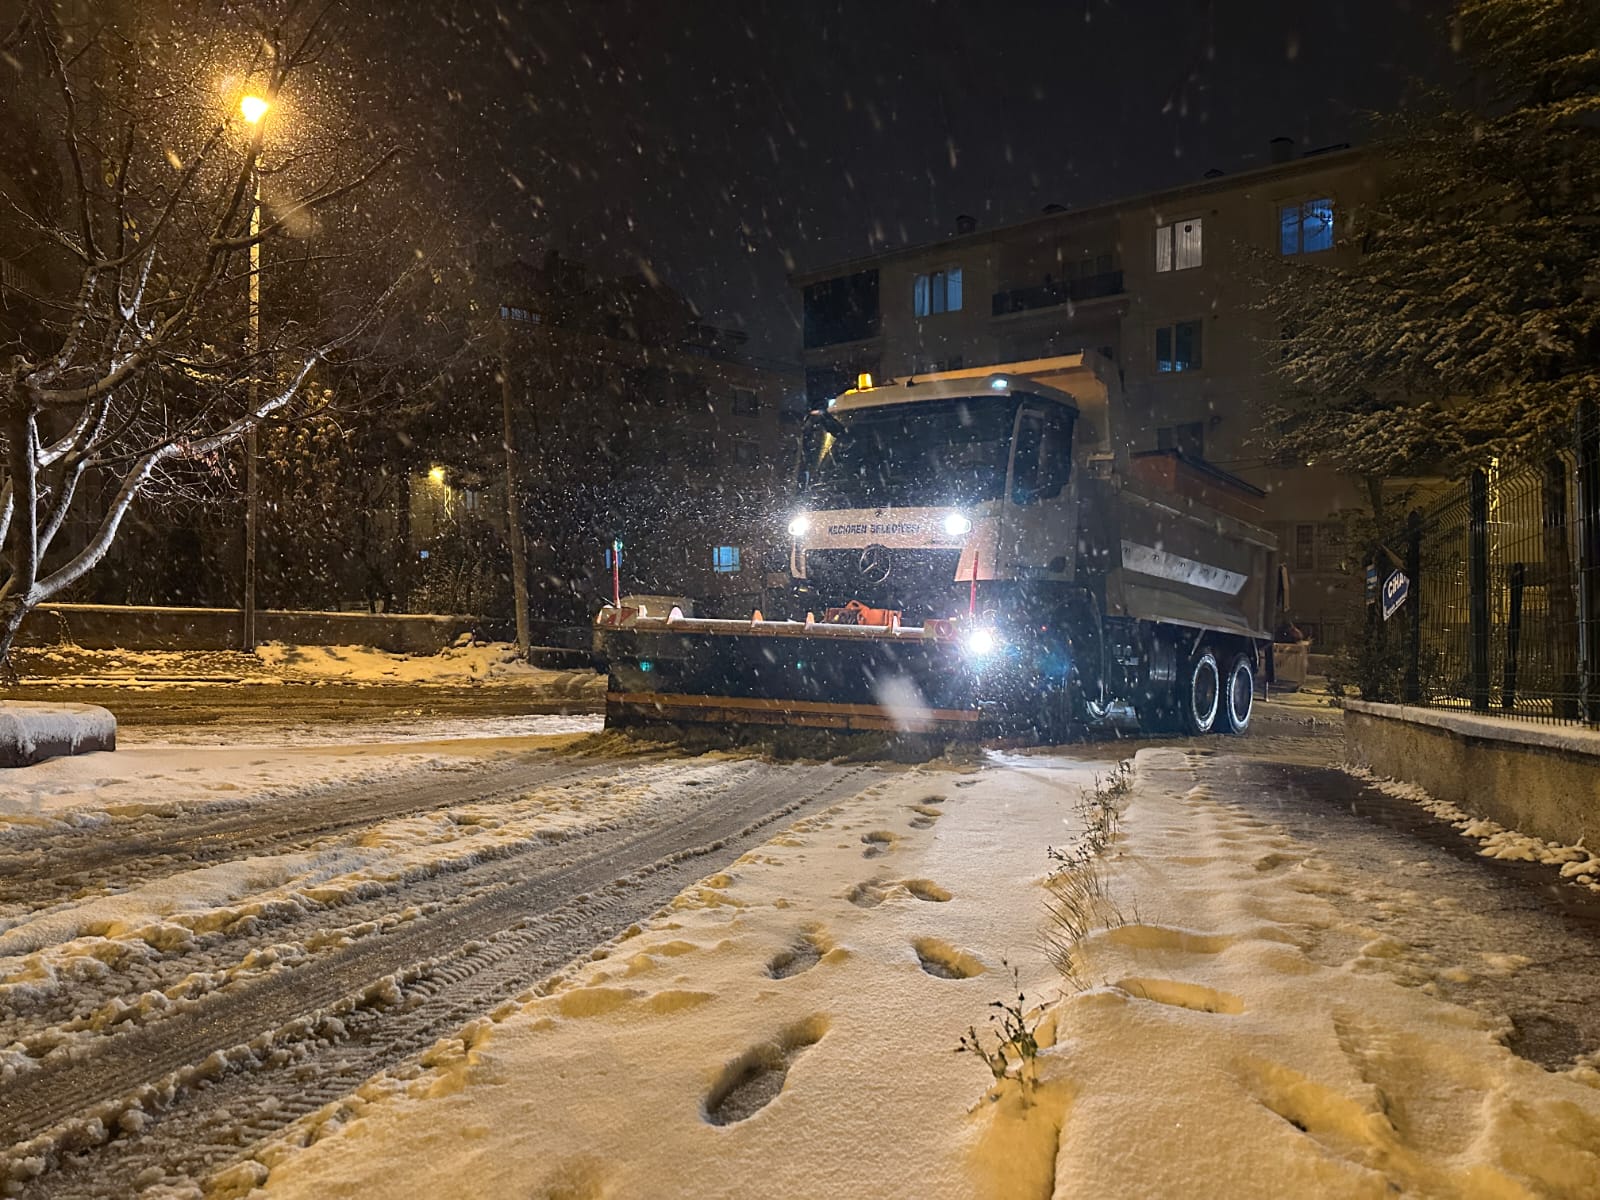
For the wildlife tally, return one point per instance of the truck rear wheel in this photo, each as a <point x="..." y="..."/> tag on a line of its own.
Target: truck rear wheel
<point x="1202" y="693"/>
<point x="1239" y="694"/>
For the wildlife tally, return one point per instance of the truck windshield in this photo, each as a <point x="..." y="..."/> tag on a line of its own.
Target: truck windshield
<point x="934" y="452"/>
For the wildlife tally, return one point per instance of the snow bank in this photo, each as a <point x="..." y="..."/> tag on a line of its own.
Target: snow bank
<point x="492" y="663"/>
<point x="31" y="731"/>
<point x="1577" y="863"/>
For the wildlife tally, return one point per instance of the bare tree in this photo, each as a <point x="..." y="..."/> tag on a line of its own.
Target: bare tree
<point x="137" y="235"/>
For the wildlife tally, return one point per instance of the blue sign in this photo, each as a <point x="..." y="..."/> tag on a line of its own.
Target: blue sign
<point x="1395" y="590"/>
<point x="1372" y="584"/>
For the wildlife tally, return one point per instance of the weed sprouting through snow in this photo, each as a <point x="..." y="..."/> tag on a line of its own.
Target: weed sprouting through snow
<point x="1078" y="900"/>
<point x="1014" y="1043"/>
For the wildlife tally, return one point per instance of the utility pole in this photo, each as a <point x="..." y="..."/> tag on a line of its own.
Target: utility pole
<point x="254" y="110"/>
<point x="519" y="553"/>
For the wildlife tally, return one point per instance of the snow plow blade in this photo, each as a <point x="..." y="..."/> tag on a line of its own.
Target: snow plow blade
<point x="804" y="674"/>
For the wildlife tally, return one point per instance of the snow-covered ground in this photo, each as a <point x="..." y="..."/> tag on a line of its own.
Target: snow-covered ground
<point x="491" y="663"/>
<point x="174" y="771"/>
<point x="468" y="664"/>
<point x="787" y="1029"/>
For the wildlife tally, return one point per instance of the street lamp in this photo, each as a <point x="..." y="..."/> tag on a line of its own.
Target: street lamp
<point x="254" y="110"/>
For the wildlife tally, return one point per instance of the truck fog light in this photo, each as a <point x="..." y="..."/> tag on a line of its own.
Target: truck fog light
<point x="956" y="525"/>
<point x="800" y="526"/>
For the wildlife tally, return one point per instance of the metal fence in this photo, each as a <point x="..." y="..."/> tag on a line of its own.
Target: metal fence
<point x="1503" y="571"/>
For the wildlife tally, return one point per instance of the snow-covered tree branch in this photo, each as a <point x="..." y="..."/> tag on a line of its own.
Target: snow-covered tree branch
<point x="151" y="216"/>
<point x="1469" y="325"/>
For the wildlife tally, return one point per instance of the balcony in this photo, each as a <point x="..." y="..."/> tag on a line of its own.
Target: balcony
<point x="1062" y="291"/>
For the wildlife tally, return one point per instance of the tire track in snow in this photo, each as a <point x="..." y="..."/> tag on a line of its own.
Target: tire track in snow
<point x="138" y="981"/>
<point x="471" y="955"/>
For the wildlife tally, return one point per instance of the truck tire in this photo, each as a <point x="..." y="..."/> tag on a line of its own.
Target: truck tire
<point x="1238" y="694"/>
<point x="1201" y="696"/>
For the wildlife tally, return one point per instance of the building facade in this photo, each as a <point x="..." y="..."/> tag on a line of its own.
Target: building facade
<point x="1162" y="284"/>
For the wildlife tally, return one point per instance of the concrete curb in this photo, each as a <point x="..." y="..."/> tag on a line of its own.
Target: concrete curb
<point x="1539" y="779"/>
<point x="32" y="731"/>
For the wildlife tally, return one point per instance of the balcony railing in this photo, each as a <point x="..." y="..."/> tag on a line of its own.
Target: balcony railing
<point x="1062" y="291"/>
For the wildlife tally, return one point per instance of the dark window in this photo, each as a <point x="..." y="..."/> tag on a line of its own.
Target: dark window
<point x="1188" y="439"/>
<point x="1305" y="228"/>
<point x="745" y="454"/>
<point x="950" y="451"/>
<point x="1178" y="347"/>
<point x="841" y="310"/>
<point x="1044" y="456"/>
<point x="725" y="559"/>
<point x="937" y="292"/>
<point x="1305" y="547"/>
<point x="746" y="403"/>
<point x="1330" y="546"/>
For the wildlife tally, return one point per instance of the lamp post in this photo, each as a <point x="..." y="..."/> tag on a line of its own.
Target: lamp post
<point x="254" y="109"/>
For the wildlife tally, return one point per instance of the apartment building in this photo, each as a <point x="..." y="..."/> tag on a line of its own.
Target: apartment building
<point x="1159" y="283"/>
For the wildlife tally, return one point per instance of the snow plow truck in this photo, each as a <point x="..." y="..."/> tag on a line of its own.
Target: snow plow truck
<point x="973" y="555"/>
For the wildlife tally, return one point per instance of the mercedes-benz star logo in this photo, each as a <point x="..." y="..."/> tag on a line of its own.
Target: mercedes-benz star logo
<point x="874" y="564"/>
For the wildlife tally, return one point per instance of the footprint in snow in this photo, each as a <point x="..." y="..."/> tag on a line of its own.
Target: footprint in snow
<point x="878" y="841"/>
<point x="944" y="961"/>
<point x="865" y="895"/>
<point x="754" y="1080"/>
<point x="1194" y="996"/>
<point x="804" y="954"/>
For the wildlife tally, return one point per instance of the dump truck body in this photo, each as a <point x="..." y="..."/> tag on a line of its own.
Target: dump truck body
<point x="971" y="554"/>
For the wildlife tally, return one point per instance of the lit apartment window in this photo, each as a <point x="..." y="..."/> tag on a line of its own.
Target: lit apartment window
<point x="745" y="402"/>
<point x="937" y="292"/>
<point x="725" y="560"/>
<point x="1178" y="347"/>
<point x="1178" y="245"/>
<point x="1306" y="228"/>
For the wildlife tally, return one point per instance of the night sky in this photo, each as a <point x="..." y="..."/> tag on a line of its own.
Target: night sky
<point x="726" y="143"/>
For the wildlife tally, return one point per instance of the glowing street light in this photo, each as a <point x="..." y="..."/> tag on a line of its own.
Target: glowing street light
<point x="254" y="108"/>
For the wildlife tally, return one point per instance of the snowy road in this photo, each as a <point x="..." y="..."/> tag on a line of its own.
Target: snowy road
<point x="273" y="958"/>
<point x="195" y="982"/>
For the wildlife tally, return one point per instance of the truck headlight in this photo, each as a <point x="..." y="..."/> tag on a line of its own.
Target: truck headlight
<point x="957" y="525"/>
<point x="981" y="643"/>
<point x="800" y="526"/>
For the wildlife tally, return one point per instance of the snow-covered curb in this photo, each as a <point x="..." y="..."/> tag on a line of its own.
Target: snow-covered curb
<point x="32" y="731"/>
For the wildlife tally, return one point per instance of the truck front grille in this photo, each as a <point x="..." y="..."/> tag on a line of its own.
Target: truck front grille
<point x="920" y="583"/>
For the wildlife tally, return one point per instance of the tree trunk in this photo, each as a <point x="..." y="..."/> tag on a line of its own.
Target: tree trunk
<point x="12" y="614"/>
